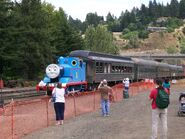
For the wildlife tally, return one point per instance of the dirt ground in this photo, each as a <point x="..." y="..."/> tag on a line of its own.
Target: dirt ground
<point x="129" y="119"/>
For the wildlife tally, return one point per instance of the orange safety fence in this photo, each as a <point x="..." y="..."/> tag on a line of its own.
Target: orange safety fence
<point x="20" y="118"/>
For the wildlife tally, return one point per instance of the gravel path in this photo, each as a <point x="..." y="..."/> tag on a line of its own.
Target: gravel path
<point x="129" y="119"/>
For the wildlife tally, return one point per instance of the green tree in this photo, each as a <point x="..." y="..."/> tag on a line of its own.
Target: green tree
<point x="109" y="18"/>
<point x="6" y="30"/>
<point x="182" y="9"/>
<point x="76" y="24"/>
<point x="93" y="19"/>
<point x="99" y="39"/>
<point x="174" y="8"/>
<point x="66" y="39"/>
<point x="114" y="26"/>
<point x="133" y="41"/>
<point x="31" y="39"/>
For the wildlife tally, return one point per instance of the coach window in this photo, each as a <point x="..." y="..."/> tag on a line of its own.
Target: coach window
<point x="124" y="69"/>
<point x="130" y="69"/>
<point x="113" y="69"/>
<point x="117" y="69"/>
<point x="109" y="68"/>
<point x="105" y="67"/>
<point x="101" y="68"/>
<point x="97" y="67"/>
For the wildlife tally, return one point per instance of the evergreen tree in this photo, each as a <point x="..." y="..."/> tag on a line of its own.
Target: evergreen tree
<point x="109" y="18"/>
<point x="31" y="39"/>
<point x="166" y="10"/>
<point x="143" y="15"/>
<point x="76" y="24"/>
<point x="124" y="19"/>
<point x="174" y="8"/>
<point x="99" y="39"/>
<point x="182" y="9"/>
<point x="66" y="39"/>
<point x="151" y="9"/>
<point x="93" y="19"/>
<point x="6" y="47"/>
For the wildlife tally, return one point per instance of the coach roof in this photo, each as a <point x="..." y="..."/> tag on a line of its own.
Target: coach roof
<point x="99" y="56"/>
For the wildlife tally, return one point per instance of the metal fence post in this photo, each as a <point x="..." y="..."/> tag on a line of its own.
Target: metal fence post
<point x="1" y="98"/>
<point x="12" y="118"/>
<point x="47" y="113"/>
<point x="74" y="104"/>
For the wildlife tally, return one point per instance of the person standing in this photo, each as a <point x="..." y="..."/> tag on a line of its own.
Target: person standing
<point x="105" y="91"/>
<point x="166" y="84"/>
<point x="158" y="113"/>
<point x="126" y="84"/>
<point x="59" y="103"/>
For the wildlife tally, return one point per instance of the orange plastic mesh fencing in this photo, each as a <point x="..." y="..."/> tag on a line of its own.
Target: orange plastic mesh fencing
<point x="6" y="123"/>
<point x="70" y="107"/>
<point x="84" y="103"/>
<point x="133" y="90"/>
<point x="21" y="118"/>
<point x="118" y="92"/>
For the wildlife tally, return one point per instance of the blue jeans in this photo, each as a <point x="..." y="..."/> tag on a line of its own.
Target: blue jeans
<point x="59" y="110"/>
<point x="105" y="107"/>
<point x="126" y="89"/>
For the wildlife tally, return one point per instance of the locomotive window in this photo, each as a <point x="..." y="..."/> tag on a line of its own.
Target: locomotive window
<point x="74" y="62"/>
<point x="81" y="63"/>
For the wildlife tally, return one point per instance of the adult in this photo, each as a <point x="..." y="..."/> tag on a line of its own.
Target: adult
<point x="166" y="84"/>
<point x="126" y="84"/>
<point x="105" y="91"/>
<point x="59" y="103"/>
<point x="158" y="113"/>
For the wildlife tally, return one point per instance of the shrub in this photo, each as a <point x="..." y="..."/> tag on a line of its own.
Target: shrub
<point x="125" y="31"/>
<point x="143" y="34"/>
<point x="172" y="50"/>
<point x="130" y="35"/>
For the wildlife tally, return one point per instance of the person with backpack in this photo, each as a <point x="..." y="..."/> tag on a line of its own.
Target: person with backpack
<point x="160" y="102"/>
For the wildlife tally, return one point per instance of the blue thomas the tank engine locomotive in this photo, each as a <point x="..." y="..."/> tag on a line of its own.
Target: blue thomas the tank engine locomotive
<point x="69" y="71"/>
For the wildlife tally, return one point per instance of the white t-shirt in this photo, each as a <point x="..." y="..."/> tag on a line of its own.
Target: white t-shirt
<point x="59" y="94"/>
<point x="126" y="83"/>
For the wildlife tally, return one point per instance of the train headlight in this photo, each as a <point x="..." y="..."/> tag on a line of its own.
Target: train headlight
<point x="52" y="71"/>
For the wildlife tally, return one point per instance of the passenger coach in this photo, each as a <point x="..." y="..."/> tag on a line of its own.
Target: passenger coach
<point x="100" y="66"/>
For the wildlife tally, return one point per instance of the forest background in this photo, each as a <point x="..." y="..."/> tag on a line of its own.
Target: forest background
<point x="33" y="34"/>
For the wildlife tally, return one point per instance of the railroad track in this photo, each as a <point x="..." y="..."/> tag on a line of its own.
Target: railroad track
<point x="17" y="94"/>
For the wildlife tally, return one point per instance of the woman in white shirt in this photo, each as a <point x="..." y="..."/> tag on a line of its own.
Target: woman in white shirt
<point x="59" y="104"/>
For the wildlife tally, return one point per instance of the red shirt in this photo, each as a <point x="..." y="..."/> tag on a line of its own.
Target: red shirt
<point x="153" y="96"/>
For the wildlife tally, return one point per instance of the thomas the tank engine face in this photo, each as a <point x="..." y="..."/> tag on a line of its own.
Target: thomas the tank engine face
<point x="52" y="71"/>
